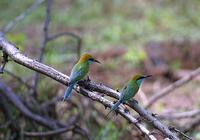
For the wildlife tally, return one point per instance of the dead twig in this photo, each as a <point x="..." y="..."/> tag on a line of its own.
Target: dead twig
<point x="170" y="88"/>
<point x="181" y="115"/>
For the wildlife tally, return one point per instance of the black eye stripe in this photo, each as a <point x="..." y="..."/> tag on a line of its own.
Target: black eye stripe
<point x="140" y="78"/>
<point x="91" y="59"/>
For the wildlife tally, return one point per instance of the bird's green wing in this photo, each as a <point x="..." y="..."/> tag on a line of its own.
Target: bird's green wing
<point x="78" y="72"/>
<point x="123" y="92"/>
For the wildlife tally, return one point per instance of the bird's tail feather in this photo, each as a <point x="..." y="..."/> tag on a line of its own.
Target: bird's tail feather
<point x="68" y="92"/>
<point x="114" y="107"/>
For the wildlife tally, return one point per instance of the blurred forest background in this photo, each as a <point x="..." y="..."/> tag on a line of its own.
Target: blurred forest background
<point x="156" y="37"/>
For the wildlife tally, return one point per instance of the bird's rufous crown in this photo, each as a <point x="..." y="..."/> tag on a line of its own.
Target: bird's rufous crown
<point x="85" y="57"/>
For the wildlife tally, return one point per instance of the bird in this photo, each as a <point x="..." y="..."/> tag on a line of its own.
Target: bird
<point x="78" y="72"/>
<point x="129" y="90"/>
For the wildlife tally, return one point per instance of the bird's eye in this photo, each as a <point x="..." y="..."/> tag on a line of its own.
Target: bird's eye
<point x="91" y="59"/>
<point x="140" y="78"/>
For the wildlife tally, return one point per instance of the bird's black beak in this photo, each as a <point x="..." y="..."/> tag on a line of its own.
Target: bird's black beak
<point x="97" y="61"/>
<point x="147" y="76"/>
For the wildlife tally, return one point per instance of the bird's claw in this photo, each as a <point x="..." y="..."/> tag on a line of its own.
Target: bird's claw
<point x="105" y="106"/>
<point x="88" y="79"/>
<point x="102" y="95"/>
<point x="114" y="102"/>
<point x="116" y="113"/>
<point x="117" y="90"/>
<point x="154" y="115"/>
<point x="126" y="110"/>
<point x="135" y="101"/>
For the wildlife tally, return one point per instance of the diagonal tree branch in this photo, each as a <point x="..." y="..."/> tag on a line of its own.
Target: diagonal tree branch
<point x="172" y="87"/>
<point x="181" y="115"/>
<point x="17" y="19"/>
<point x="60" y="77"/>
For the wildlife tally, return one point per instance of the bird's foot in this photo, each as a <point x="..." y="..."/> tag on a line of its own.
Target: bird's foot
<point x="88" y="79"/>
<point x="116" y="112"/>
<point x="65" y="99"/>
<point x="154" y="115"/>
<point x="102" y="95"/>
<point x="117" y="90"/>
<point x="114" y="102"/>
<point x="105" y="106"/>
<point x="139" y="119"/>
<point x="126" y="110"/>
<point x="135" y="101"/>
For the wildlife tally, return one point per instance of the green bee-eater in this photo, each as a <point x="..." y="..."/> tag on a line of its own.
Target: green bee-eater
<point x="129" y="90"/>
<point x="79" y="71"/>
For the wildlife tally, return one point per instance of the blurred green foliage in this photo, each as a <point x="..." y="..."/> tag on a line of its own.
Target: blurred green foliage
<point x="107" y="24"/>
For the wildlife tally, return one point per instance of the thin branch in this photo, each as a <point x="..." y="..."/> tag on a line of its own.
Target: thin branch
<point x="172" y="87"/>
<point x="45" y="30"/>
<point x="19" y="79"/>
<point x="191" y="125"/>
<point x="75" y="128"/>
<point x="20" y="17"/>
<point x="81" y="131"/>
<point x="77" y="37"/>
<point x="48" y="133"/>
<point x="68" y="127"/>
<point x="43" y="44"/>
<point x="182" y="115"/>
<point x="178" y="131"/>
<point x="60" y="77"/>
